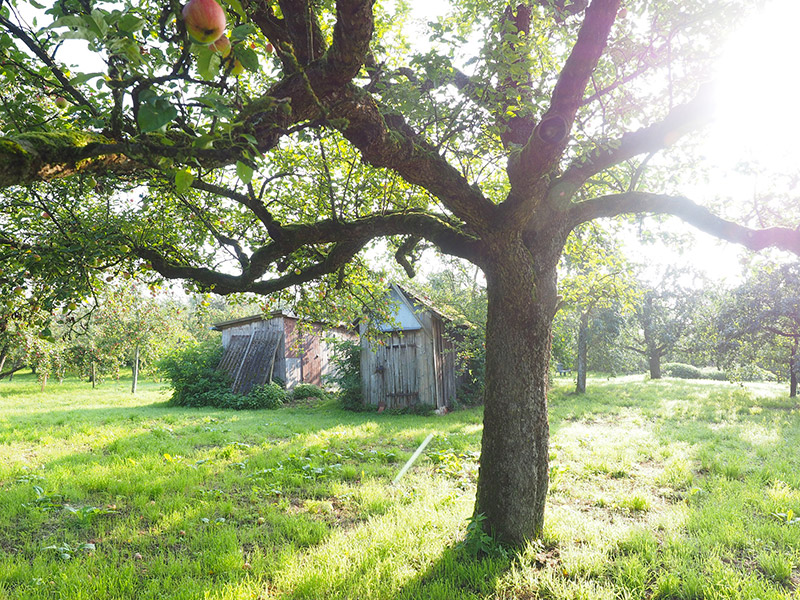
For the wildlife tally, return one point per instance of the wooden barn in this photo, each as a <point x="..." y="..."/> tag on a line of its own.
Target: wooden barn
<point x="414" y="363"/>
<point x="263" y="348"/>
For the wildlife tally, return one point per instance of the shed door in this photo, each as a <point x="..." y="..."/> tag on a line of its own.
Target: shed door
<point x="398" y="360"/>
<point x="311" y="364"/>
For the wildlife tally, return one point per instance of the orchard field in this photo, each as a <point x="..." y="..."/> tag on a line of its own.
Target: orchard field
<point x="658" y="489"/>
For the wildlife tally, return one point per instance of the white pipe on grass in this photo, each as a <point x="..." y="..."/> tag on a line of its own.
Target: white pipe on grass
<point x="413" y="458"/>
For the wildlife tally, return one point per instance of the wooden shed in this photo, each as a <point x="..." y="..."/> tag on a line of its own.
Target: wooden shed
<point x="414" y="363"/>
<point x="262" y="348"/>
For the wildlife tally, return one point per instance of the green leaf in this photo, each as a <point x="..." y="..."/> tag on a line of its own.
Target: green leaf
<point x="130" y="23"/>
<point x="242" y="31"/>
<point x="208" y="63"/>
<point x="236" y="6"/>
<point x="244" y="172"/>
<point x="98" y="23"/>
<point x="84" y="77"/>
<point x="247" y="57"/>
<point x="183" y="180"/>
<point x="155" y="113"/>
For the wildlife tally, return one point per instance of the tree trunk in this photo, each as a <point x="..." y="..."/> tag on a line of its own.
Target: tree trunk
<point x="3" y="356"/>
<point x="583" y="352"/>
<point x="513" y="478"/>
<point x="654" y="359"/>
<point x="135" y="381"/>
<point x="793" y="366"/>
<point x="93" y="375"/>
<point x="43" y="381"/>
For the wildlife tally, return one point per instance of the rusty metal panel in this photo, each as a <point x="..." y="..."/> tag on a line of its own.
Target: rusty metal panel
<point x="256" y="367"/>
<point x="234" y="354"/>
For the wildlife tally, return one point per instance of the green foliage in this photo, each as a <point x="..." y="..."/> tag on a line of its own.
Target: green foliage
<point x="744" y="373"/>
<point x="194" y="378"/>
<point x="682" y="371"/>
<point x="759" y="322"/>
<point x="268" y="396"/>
<point x="196" y="381"/>
<point x="479" y="544"/>
<point x="346" y="377"/>
<point x="307" y="390"/>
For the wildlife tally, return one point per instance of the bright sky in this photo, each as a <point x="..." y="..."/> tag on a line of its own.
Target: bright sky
<point x="759" y="86"/>
<point x="757" y="120"/>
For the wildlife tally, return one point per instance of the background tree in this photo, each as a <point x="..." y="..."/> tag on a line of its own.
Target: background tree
<point x="661" y="319"/>
<point x="337" y="132"/>
<point x="596" y="279"/>
<point x="134" y="328"/>
<point x="760" y="322"/>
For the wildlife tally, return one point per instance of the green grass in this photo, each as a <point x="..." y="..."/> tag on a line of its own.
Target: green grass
<point x="666" y="489"/>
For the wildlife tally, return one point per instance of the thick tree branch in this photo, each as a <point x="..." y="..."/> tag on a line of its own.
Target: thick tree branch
<point x="344" y="240"/>
<point x="680" y="121"/>
<point x="351" y="37"/>
<point x="386" y="140"/>
<point x="543" y="150"/>
<point x="690" y="212"/>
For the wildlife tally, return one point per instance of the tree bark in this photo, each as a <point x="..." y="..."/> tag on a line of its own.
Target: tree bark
<point x="93" y="375"/>
<point x="793" y="366"/>
<point x="513" y="479"/>
<point x="583" y="351"/>
<point x="654" y="360"/>
<point x="135" y="381"/>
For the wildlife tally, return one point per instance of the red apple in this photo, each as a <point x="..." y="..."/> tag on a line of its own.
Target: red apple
<point x="62" y="102"/>
<point x="269" y="48"/>
<point x="205" y="20"/>
<point x="222" y="45"/>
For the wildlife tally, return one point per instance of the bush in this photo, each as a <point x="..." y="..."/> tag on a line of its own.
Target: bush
<point x="347" y="374"/>
<point x="194" y="378"/>
<point x="269" y="396"/>
<point x="742" y="373"/>
<point x="195" y="381"/>
<point x="682" y="371"/>
<point x="308" y="390"/>
<point x="750" y="373"/>
<point x="713" y="373"/>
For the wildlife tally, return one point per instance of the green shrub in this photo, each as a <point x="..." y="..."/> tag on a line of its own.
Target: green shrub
<point x="741" y="373"/>
<point x="750" y="373"/>
<point x="194" y="378"/>
<point x="346" y="377"/>
<point x="269" y="396"/>
<point x="308" y="390"/>
<point x="682" y="371"/>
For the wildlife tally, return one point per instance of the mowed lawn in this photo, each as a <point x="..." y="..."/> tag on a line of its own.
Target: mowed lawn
<point x="668" y="489"/>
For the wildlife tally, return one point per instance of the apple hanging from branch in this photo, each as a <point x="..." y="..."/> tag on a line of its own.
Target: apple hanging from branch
<point x="222" y="45"/>
<point x="205" y="20"/>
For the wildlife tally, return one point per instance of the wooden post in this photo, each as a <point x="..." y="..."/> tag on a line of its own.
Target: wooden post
<point x="135" y="369"/>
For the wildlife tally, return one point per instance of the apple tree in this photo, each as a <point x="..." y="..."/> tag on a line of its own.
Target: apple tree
<point x="271" y="166"/>
<point x="596" y="278"/>
<point x="759" y="323"/>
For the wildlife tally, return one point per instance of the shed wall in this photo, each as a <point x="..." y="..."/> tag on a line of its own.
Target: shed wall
<point x="302" y="356"/>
